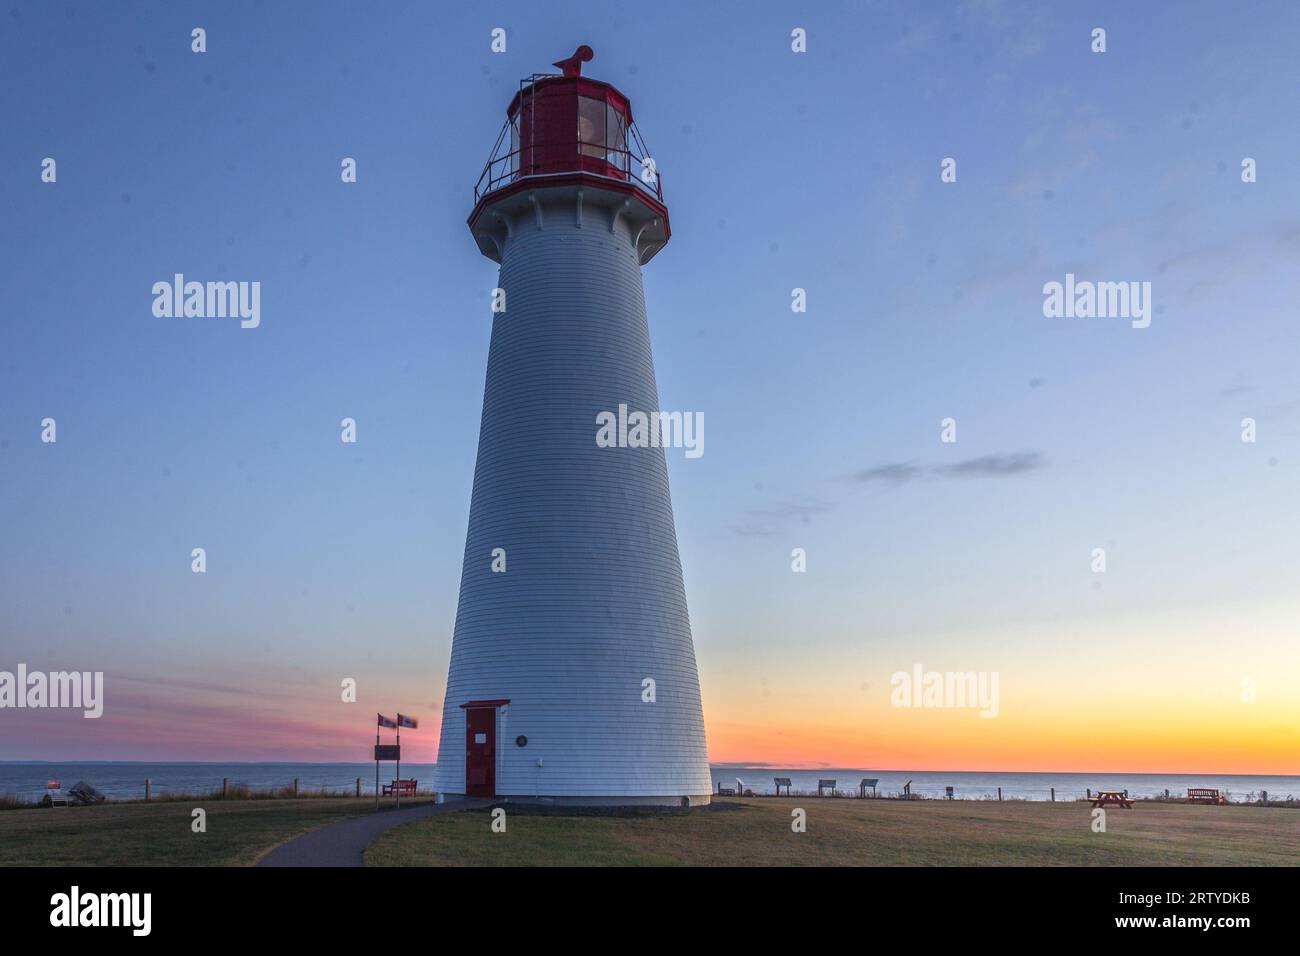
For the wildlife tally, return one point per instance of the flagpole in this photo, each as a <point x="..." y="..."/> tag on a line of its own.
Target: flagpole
<point x="376" y="763"/>
<point x="398" y="789"/>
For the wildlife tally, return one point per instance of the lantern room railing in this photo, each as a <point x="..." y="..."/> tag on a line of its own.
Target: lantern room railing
<point x="623" y="157"/>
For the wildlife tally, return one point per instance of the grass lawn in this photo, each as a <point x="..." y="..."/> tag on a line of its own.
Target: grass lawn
<point x="756" y="832"/>
<point x="158" y="834"/>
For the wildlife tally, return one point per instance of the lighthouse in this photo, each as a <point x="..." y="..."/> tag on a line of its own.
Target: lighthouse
<point x="573" y="677"/>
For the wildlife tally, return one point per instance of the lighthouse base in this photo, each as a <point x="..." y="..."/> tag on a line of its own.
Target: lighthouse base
<point x="690" y="800"/>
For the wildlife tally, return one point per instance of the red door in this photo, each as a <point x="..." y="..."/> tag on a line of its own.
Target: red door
<point x="481" y="752"/>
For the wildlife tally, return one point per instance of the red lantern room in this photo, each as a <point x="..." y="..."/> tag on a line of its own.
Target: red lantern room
<point x="559" y="124"/>
<point x="567" y="130"/>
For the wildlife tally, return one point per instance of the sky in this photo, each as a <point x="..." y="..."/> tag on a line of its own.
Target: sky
<point x="817" y="170"/>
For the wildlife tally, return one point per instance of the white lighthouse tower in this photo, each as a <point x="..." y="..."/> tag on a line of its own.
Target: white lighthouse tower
<point x="573" y="675"/>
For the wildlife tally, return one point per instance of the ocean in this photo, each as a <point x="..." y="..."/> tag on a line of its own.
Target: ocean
<point x="125" y="780"/>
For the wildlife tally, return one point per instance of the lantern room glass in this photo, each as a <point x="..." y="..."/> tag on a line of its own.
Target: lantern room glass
<point x="616" y="139"/>
<point x="591" y="127"/>
<point x="540" y="129"/>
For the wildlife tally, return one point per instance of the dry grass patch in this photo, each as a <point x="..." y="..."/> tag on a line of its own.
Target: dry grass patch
<point x="159" y="834"/>
<point x="854" y="833"/>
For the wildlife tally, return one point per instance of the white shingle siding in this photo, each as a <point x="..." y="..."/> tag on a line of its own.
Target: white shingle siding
<point x="592" y="601"/>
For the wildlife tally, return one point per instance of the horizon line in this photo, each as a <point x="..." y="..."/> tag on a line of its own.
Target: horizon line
<point x="726" y="765"/>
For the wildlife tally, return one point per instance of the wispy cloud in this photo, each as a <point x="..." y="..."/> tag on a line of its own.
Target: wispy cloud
<point x="751" y="529"/>
<point x="804" y="511"/>
<point x="894" y="473"/>
<point x="763" y="522"/>
<point x="223" y="689"/>
<point x="993" y="466"/>
<point x="1235" y="391"/>
<point x="986" y="466"/>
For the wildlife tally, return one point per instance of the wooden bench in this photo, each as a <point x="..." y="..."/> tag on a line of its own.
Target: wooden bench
<point x="402" y="788"/>
<point x="1111" y="798"/>
<point x="1205" y="795"/>
<point x="823" y="785"/>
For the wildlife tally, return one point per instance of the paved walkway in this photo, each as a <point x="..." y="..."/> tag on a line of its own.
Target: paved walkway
<point x="342" y="843"/>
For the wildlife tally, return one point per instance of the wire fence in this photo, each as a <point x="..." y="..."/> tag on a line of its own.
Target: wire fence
<point x="310" y="785"/>
<point x="1018" y="793"/>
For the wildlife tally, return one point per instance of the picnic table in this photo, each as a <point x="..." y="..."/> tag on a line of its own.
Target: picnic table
<point x="1116" y="798"/>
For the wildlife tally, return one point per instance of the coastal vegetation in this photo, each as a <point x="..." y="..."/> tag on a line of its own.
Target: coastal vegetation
<point x="758" y="832"/>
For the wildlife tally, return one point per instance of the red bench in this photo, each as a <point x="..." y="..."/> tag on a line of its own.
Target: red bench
<point x="403" y="788"/>
<point x="1205" y="795"/>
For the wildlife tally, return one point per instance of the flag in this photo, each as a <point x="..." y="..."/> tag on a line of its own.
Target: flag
<point x="387" y="722"/>
<point x="409" y="722"/>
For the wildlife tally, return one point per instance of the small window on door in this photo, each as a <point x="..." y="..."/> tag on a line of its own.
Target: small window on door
<point x="480" y="738"/>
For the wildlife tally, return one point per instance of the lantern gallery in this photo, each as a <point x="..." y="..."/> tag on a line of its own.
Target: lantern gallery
<point x="209" y="300"/>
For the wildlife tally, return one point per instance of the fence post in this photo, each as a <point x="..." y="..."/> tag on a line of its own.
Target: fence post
<point x="1053" y="794"/>
<point x="999" y="794"/>
<point x="148" y="789"/>
<point x="295" y="786"/>
<point x="225" y="787"/>
<point x="1263" y="796"/>
<point x="358" y="786"/>
<point x="1087" y="793"/>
